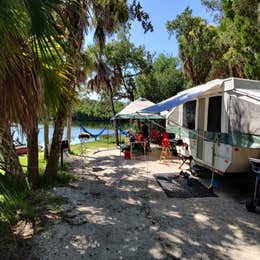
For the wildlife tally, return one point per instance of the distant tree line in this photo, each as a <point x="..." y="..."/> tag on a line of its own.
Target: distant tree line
<point x="94" y="110"/>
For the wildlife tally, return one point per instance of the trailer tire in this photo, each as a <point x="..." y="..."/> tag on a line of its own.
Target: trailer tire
<point x="250" y="205"/>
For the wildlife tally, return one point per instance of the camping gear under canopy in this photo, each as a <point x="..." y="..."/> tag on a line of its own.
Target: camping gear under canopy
<point x="131" y="111"/>
<point x="182" y="97"/>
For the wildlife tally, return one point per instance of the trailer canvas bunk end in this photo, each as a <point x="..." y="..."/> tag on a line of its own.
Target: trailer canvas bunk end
<point x="225" y="113"/>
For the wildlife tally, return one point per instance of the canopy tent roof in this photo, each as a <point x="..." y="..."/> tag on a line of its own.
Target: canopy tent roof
<point x="131" y="110"/>
<point x="183" y="97"/>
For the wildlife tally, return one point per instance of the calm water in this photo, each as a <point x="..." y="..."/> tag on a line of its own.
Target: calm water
<point x="75" y="131"/>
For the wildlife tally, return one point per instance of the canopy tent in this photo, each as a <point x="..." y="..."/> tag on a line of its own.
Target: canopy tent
<point x="182" y="97"/>
<point x="131" y="111"/>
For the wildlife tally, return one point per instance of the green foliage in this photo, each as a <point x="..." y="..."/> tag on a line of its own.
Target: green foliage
<point x="215" y="7"/>
<point x="164" y="80"/>
<point x="129" y="61"/>
<point x="94" y="110"/>
<point x="244" y="16"/>
<point x="64" y="177"/>
<point x="230" y="49"/>
<point x="14" y="203"/>
<point x="42" y="163"/>
<point x="196" y="44"/>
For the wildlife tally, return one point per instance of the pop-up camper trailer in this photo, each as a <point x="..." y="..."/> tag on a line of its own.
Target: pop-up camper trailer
<point x="224" y="114"/>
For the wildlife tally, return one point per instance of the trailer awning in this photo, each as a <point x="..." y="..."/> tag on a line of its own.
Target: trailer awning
<point x="183" y="97"/>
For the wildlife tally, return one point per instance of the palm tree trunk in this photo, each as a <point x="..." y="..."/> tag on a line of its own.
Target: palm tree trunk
<point x="51" y="170"/>
<point x="230" y="69"/>
<point x="113" y="110"/>
<point x="46" y="135"/>
<point x="8" y="153"/>
<point x="10" y="162"/>
<point x="33" y="160"/>
<point x="69" y="123"/>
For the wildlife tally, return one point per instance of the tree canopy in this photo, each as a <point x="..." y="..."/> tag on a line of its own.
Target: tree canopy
<point x="129" y="61"/>
<point x="229" y="48"/>
<point x="163" y="81"/>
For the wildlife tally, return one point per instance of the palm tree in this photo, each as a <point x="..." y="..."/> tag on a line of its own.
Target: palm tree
<point x="18" y="79"/>
<point x="106" y="78"/>
<point x="75" y="15"/>
<point x="27" y="31"/>
<point x="104" y="16"/>
<point x="30" y="33"/>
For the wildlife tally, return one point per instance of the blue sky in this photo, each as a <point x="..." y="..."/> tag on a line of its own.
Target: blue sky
<point x="160" y="12"/>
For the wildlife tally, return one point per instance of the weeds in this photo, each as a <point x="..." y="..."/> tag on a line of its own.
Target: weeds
<point x="18" y="201"/>
<point x="14" y="204"/>
<point x="64" y="177"/>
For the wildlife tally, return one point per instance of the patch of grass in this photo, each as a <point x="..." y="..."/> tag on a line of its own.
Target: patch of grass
<point x="42" y="163"/>
<point x="75" y="149"/>
<point x="14" y="203"/>
<point x="18" y="201"/>
<point x="64" y="177"/>
<point x="105" y="141"/>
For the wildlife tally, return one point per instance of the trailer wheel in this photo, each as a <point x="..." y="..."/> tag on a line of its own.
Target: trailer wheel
<point x="250" y="204"/>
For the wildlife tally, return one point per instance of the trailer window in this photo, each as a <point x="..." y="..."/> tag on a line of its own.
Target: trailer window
<point x="244" y="115"/>
<point x="214" y="114"/>
<point x="189" y="111"/>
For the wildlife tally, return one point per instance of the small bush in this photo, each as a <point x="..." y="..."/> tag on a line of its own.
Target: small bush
<point x="64" y="177"/>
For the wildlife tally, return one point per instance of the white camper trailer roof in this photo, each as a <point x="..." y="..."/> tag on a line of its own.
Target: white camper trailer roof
<point x="249" y="89"/>
<point x="183" y="97"/>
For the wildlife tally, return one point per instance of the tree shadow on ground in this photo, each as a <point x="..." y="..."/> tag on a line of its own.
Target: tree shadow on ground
<point x="126" y="215"/>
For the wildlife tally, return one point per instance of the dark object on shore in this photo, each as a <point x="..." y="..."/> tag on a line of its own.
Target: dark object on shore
<point x="84" y="135"/>
<point x="21" y="149"/>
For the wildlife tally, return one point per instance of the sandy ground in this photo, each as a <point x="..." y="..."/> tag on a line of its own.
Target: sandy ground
<point x="116" y="210"/>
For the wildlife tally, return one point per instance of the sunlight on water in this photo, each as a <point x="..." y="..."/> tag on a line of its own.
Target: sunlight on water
<point x="75" y="131"/>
